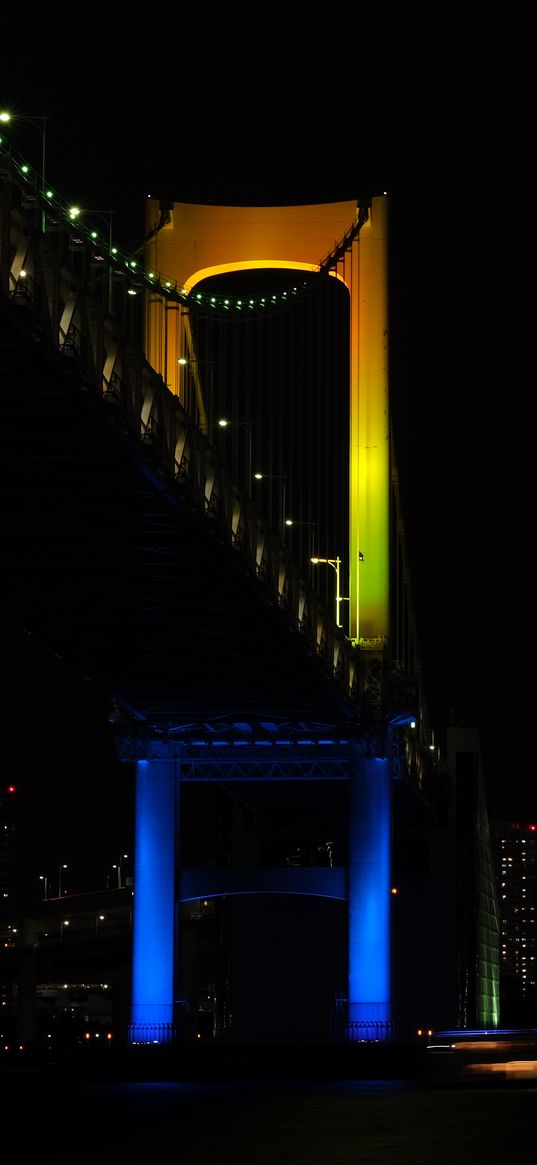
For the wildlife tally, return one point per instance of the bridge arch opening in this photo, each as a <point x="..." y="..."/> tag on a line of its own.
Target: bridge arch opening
<point x="278" y="371"/>
<point x="258" y="988"/>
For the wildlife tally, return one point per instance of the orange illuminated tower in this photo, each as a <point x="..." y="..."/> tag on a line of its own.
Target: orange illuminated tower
<point x="190" y="242"/>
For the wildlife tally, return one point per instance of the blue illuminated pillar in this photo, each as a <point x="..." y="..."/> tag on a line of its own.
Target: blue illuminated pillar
<point x="154" y="903"/>
<point x="369" y="886"/>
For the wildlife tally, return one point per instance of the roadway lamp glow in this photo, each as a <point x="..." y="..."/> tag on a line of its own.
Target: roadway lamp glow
<point x="4" y="116"/>
<point x="182" y="360"/>
<point x="223" y="424"/>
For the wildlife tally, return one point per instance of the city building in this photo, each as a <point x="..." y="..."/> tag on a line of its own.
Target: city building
<point x="516" y="872"/>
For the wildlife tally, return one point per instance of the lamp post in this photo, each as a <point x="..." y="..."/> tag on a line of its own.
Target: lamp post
<point x="62" y="867"/>
<point x="205" y="411"/>
<point x="313" y="527"/>
<point x="44" y="878"/>
<point x="247" y="426"/>
<point x="118" y="868"/>
<point x="335" y="563"/>
<point x="34" y="119"/>
<point x="74" y="214"/>
<point x="276" y="477"/>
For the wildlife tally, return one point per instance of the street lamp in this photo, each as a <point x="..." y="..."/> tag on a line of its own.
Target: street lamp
<point x="34" y="119"/>
<point x="247" y="426"/>
<point x="335" y="563"/>
<point x="276" y="477"/>
<point x="313" y="527"/>
<point x="118" y="868"/>
<point x="205" y="411"/>
<point x="62" y="867"/>
<point x="44" y="878"/>
<point x="74" y="214"/>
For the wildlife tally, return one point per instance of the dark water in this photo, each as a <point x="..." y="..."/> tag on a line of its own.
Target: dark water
<point x="50" y="1117"/>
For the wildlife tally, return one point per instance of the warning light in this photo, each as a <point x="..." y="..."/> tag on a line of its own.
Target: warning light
<point x="12" y="789"/>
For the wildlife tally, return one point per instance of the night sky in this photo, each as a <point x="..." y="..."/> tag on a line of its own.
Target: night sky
<point x="462" y="383"/>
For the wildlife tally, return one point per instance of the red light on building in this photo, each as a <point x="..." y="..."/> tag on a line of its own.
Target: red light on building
<point x="11" y="789"/>
<point x="532" y="827"/>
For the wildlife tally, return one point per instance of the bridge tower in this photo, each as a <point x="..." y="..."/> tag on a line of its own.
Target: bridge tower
<point x="347" y="240"/>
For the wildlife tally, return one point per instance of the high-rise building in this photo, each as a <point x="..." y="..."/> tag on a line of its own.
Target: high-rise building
<point x="7" y="847"/>
<point x="516" y="871"/>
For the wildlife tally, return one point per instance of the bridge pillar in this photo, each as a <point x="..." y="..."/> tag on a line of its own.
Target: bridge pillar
<point x="369" y="889"/>
<point x="152" y="1006"/>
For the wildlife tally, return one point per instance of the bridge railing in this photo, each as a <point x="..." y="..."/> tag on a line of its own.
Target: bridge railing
<point x="70" y="299"/>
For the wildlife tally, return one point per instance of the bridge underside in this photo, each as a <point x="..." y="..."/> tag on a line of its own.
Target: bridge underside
<point x="115" y="570"/>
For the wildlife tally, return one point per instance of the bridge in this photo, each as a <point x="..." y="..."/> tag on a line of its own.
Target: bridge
<point x="137" y="554"/>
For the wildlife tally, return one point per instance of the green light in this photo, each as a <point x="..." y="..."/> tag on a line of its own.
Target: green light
<point x="114" y="250"/>
<point x="74" y="211"/>
<point x="25" y="169"/>
<point x="94" y="234"/>
<point x="49" y="193"/>
<point x="132" y="263"/>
